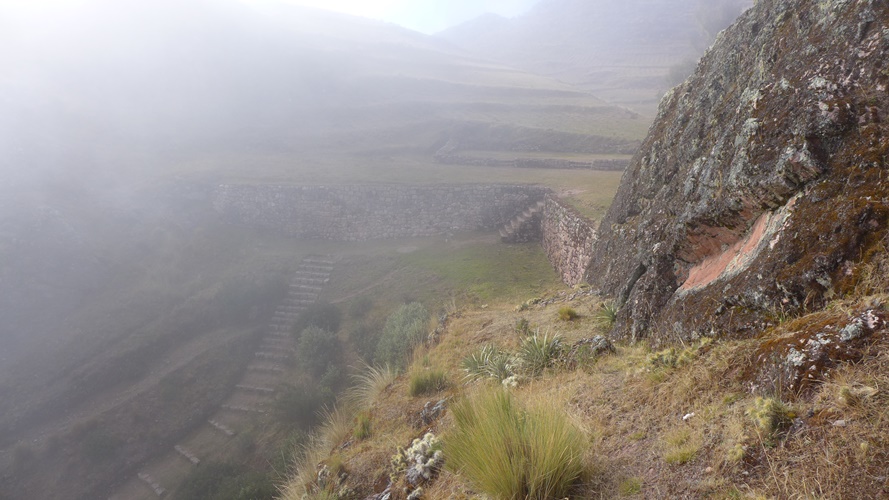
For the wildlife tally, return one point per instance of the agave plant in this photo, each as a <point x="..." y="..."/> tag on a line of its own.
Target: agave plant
<point x="539" y="353"/>
<point x="488" y="361"/>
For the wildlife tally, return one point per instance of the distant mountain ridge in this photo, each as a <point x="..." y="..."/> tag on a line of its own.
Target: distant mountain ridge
<point x="607" y="47"/>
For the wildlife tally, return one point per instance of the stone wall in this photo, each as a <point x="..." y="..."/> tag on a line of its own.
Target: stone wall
<point x="568" y="239"/>
<point x="365" y="212"/>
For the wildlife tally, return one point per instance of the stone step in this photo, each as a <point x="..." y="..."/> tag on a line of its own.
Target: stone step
<point x="312" y="272"/>
<point x="221" y="428"/>
<point x="297" y="302"/>
<point x="277" y="347"/>
<point x="321" y="261"/>
<point x="154" y="485"/>
<point x="187" y="454"/>
<point x="243" y="409"/>
<point x="253" y="388"/>
<point x="308" y="284"/>
<point x="272" y="355"/>
<point x="288" y="309"/>
<point x="291" y="316"/>
<point x="265" y="369"/>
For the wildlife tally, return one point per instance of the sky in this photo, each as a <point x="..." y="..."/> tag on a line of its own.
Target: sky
<point x="426" y="16"/>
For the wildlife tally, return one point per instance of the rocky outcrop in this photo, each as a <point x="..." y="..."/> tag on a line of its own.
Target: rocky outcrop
<point x="762" y="183"/>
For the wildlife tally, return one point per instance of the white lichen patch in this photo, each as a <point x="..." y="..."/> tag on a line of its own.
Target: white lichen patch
<point x="795" y="358"/>
<point x="420" y="462"/>
<point x="749" y="99"/>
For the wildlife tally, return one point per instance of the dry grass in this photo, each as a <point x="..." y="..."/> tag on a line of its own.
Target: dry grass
<point x="368" y="385"/>
<point x="511" y="453"/>
<point x="672" y="424"/>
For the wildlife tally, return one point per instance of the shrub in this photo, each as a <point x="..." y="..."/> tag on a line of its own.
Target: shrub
<point x="317" y="350"/>
<point x="427" y="381"/>
<point x="508" y="452"/>
<point x="606" y="316"/>
<point x="364" y="337"/>
<point x="405" y="329"/>
<point x="319" y="315"/>
<point x="488" y="361"/>
<point x="359" y="307"/>
<point x="225" y="481"/>
<point x="299" y="404"/>
<point x="567" y="314"/>
<point x="539" y="353"/>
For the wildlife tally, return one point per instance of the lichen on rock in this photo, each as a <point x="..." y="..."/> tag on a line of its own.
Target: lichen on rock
<point x="761" y="179"/>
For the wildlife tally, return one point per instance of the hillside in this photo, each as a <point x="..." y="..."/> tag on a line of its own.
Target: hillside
<point x="626" y="52"/>
<point x="132" y="311"/>
<point x="738" y="348"/>
<point x="124" y="85"/>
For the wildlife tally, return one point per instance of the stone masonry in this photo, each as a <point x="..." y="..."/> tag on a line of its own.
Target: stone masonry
<point x="568" y="239"/>
<point x="365" y="212"/>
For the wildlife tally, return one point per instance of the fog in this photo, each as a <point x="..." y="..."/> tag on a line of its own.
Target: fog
<point x="119" y="118"/>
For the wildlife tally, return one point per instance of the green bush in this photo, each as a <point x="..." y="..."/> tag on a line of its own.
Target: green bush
<point x="320" y="315"/>
<point x="364" y="337"/>
<point x="359" y="307"/>
<point x="539" y="353"/>
<point x="299" y="405"/>
<point x="510" y="453"/>
<point x="318" y="349"/>
<point x="606" y="316"/>
<point x="427" y="381"/>
<point x="405" y="329"/>
<point x="224" y="481"/>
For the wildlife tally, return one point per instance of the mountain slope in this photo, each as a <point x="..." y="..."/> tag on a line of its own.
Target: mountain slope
<point x="620" y="50"/>
<point x="180" y="78"/>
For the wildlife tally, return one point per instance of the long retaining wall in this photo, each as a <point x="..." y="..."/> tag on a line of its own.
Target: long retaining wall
<point x="568" y="239"/>
<point x="365" y="212"/>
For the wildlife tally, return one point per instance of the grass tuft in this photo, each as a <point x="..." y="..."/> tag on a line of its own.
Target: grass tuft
<point x="770" y="416"/>
<point x="567" y="314"/>
<point x="369" y="384"/>
<point x="680" y="447"/>
<point x="510" y="453"/>
<point x="362" y="429"/>
<point x="427" y="381"/>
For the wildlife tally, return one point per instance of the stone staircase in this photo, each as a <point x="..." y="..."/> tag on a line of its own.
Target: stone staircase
<point x="524" y="227"/>
<point x="253" y="395"/>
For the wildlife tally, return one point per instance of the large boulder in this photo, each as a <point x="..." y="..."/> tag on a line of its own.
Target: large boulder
<point x="762" y="187"/>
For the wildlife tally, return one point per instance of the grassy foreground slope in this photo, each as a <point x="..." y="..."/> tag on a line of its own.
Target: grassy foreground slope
<point x="681" y="422"/>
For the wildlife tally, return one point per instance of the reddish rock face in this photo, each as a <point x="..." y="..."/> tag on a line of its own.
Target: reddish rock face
<point x="763" y="181"/>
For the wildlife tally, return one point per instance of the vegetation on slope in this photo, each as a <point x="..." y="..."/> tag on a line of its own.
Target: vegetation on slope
<point x="681" y="422"/>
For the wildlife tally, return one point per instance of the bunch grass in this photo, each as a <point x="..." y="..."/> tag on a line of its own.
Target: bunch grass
<point x="508" y="452"/>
